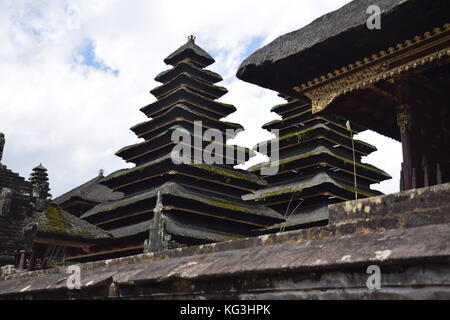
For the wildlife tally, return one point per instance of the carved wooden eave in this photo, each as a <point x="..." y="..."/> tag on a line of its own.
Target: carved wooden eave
<point x="412" y="54"/>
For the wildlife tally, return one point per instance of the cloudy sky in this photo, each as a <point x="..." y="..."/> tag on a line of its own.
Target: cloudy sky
<point x="75" y="73"/>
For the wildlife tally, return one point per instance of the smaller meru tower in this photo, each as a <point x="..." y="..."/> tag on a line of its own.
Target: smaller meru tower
<point x="316" y="165"/>
<point x="39" y="181"/>
<point x="197" y="202"/>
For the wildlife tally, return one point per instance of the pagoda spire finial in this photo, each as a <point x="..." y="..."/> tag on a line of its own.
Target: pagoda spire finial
<point x="191" y="38"/>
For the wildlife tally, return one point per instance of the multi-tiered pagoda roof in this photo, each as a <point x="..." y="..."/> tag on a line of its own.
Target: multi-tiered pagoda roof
<point x="201" y="202"/>
<point x="86" y="196"/>
<point x="315" y="165"/>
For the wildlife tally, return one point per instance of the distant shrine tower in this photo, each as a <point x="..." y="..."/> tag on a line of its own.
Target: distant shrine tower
<point x="318" y="159"/>
<point x="198" y="202"/>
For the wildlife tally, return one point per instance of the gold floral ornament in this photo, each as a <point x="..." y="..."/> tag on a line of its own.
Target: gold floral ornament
<point x="324" y="90"/>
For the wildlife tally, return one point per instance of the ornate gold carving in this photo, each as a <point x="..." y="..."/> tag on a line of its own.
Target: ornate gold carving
<point x="324" y="95"/>
<point x="320" y="103"/>
<point x="325" y="89"/>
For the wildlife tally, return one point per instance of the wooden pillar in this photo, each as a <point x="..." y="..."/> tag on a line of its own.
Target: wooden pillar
<point x="412" y="149"/>
<point x="404" y="123"/>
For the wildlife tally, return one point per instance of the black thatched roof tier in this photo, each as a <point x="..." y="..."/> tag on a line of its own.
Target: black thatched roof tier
<point x="317" y="132"/>
<point x="290" y="108"/>
<point x="40" y="167"/>
<point x="164" y="168"/>
<point x="190" y="52"/>
<point x="175" y="228"/>
<point x="325" y="156"/>
<point x="131" y="230"/>
<point x="308" y="217"/>
<point x="163" y="144"/>
<point x="192" y="231"/>
<point x="194" y="84"/>
<point x="91" y="191"/>
<point x="321" y="183"/>
<point x="39" y="174"/>
<point x="305" y="115"/>
<point x="328" y="43"/>
<point x="191" y="69"/>
<point x="189" y="98"/>
<point x="206" y="204"/>
<point x="184" y="116"/>
<point x="55" y="222"/>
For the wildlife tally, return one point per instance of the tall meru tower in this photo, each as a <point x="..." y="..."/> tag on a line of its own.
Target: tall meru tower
<point x="194" y="203"/>
<point x="316" y="166"/>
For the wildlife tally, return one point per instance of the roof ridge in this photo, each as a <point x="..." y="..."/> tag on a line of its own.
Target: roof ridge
<point x="186" y="50"/>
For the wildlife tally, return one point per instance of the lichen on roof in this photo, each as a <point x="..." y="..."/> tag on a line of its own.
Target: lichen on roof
<point x="297" y="115"/>
<point x="294" y="103"/>
<point x="223" y="171"/>
<point x="302" y="135"/>
<point x="184" y="192"/>
<point x="234" y="174"/>
<point x="300" y="186"/>
<point x="324" y="150"/>
<point x="232" y="206"/>
<point x="54" y="220"/>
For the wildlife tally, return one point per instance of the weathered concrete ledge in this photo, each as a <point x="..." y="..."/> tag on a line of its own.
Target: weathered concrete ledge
<point x="409" y="241"/>
<point x="432" y="202"/>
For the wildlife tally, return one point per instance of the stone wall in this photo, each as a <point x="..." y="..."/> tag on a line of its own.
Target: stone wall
<point x="407" y="235"/>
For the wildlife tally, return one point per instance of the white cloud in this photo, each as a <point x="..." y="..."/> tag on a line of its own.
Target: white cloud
<point x="74" y="117"/>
